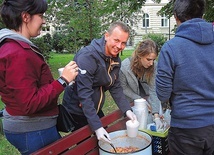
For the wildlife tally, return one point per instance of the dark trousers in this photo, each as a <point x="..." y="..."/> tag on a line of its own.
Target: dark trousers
<point x="199" y="141"/>
<point x="81" y="120"/>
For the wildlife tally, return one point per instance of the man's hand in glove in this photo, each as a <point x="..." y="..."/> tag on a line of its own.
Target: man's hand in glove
<point x="158" y="123"/>
<point x="102" y="135"/>
<point x="131" y="115"/>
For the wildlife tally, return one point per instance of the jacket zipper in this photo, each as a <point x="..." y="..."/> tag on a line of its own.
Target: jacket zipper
<point x="34" y="50"/>
<point x="100" y="101"/>
<point x="109" y="69"/>
<point x="111" y="63"/>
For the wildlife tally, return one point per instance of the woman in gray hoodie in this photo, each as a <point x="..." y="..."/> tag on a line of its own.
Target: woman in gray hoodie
<point x="27" y="87"/>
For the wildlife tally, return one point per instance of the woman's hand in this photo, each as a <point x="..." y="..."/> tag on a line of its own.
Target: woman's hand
<point x="70" y="71"/>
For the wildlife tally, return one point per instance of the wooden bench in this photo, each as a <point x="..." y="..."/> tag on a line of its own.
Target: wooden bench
<point x="83" y="141"/>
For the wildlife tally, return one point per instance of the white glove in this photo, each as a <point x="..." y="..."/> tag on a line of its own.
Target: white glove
<point x="159" y="124"/>
<point x="131" y="115"/>
<point x="103" y="135"/>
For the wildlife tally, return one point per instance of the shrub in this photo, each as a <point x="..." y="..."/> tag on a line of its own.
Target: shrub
<point x="158" y="38"/>
<point x="44" y="44"/>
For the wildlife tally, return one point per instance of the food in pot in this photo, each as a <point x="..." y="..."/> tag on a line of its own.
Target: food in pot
<point x="128" y="149"/>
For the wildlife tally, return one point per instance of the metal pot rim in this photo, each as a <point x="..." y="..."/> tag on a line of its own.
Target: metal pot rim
<point x="150" y="143"/>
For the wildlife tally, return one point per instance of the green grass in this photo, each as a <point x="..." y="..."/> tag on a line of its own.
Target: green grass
<point x="56" y="61"/>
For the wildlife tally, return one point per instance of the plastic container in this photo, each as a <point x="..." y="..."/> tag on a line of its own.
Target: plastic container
<point x="159" y="142"/>
<point x="141" y="111"/>
<point x="139" y="103"/>
<point x="167" y="116"/>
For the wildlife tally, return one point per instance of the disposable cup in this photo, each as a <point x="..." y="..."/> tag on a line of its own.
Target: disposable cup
<point x="60" y="71"/>
<point x="132" y="128"/>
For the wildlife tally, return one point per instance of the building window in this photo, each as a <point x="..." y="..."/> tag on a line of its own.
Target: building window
<point x="58" y="29"/>
<point x="164" y="21"/>
<point x="46" y="28"/>
<point x="145" y="20"/>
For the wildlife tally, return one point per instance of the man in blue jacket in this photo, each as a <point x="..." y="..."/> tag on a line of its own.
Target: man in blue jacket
<point x="185" y="78"/>
<point x="85" y="98"/>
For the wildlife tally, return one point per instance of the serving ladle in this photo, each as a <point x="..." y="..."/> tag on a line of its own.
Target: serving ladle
<point x="113" y="147"/>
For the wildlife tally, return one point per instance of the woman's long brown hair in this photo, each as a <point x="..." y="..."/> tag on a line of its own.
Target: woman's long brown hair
<point x="144" y="48"/>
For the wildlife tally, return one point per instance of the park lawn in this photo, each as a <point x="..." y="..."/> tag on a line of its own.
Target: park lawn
<point x="57" y="61"/>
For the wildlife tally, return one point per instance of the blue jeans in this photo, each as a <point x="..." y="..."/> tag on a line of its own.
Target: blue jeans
<point x="30" y="142"/>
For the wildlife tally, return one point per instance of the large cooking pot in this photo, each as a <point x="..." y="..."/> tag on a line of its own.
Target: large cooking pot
<point x="143" y="141"/>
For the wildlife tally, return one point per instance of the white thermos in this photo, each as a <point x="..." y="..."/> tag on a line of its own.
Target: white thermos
<point x="141" y="111"/>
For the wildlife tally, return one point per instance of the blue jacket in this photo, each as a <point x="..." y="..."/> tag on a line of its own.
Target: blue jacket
<point x="185" y="74"/>
<point x="87" y="95"/>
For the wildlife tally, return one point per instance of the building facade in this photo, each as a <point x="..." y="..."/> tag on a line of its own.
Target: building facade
<point x="153" y="23"/>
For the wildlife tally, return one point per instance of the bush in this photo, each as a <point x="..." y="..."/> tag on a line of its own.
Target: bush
<point x="44" y="44"/>
<point x="158" y="38"/>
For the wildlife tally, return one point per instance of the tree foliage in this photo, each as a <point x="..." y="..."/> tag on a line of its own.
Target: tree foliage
<point x="1" y="22"/>
<point x="43" y="43"/>
<point x="124" y="10"/>
<point x="84" y="20"/>
<point x="78" y="20"/>
<point x="208" y="16"/>
<point x="58" y="42"/>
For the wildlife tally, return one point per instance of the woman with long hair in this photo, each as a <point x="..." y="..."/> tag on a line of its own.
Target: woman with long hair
<point x="137" y="76"/>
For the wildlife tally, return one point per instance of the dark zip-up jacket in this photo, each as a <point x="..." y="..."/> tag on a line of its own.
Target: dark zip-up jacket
<point x="87" y="95"/>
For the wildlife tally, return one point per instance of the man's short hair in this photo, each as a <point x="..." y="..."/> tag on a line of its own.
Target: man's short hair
<point x="120" y="24"/>
<point x="188" y="9"/>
